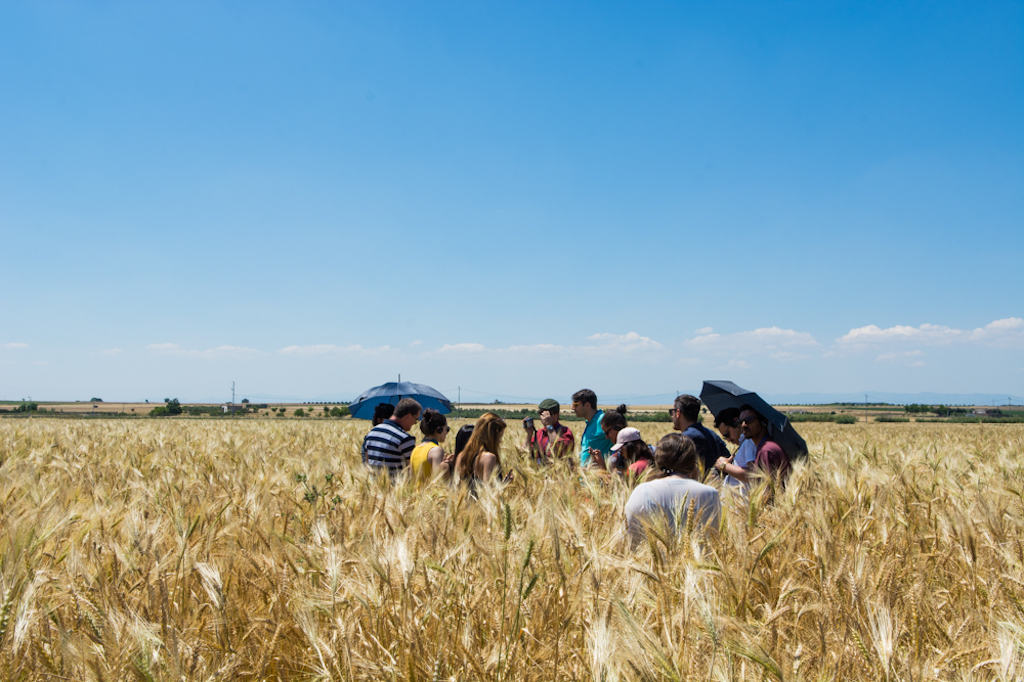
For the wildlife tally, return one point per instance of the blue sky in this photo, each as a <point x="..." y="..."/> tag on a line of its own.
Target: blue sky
<point x="520" y="199"/>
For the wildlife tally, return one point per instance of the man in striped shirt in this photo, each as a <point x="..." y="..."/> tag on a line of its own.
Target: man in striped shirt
<point x="388" y="445"/>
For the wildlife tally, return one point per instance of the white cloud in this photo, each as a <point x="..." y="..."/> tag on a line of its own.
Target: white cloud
<point x="332" y="349"/>
<point x="462" y="348"/>
<point x="703" y="331"/>
<point x="626" y="343"/>
<point x="1005" y="332"/>
<point x="737" y="364"/>
<point x="762" y="341"/>
<point x="15" y="346"/>
<point x="602" y="344"/>
<point x="219" y="351"/>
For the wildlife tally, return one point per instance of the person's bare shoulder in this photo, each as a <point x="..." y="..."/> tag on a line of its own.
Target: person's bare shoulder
<point x="485" y="464"/>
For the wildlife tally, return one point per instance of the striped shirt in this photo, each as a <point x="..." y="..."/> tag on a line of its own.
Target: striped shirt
<point x="388" y="446"/>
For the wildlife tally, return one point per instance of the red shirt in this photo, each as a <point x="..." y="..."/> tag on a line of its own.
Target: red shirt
<point x="772" y="459"/>
<point x="564" y="444"/>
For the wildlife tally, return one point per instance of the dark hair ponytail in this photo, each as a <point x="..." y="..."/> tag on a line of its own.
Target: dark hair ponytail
<point x="432" y="423"/>
<point x="614" y="419"/>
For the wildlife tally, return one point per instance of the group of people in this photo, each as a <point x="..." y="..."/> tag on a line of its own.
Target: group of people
<point x="671" y="478"/>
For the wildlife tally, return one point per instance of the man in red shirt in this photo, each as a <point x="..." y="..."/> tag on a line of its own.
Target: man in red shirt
<point x="771" y="458"/>
<point x="554" y="440"/>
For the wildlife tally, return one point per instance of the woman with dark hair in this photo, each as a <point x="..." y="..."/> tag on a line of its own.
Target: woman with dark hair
<point x="669" y="497"/>
<point x="461" y="438"/>
<point x="428" y="457"/>
<point x="481" y="458"/>
<point x="382" y="412"/>
<point x="630" y="454"/>
<point x="612" y="422"/>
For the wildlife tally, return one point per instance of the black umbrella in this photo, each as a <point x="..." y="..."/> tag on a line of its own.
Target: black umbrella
<point x="363" y="406"/>
<point x="719" y="395"/>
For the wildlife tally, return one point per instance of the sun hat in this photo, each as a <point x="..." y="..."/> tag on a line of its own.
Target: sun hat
<point x="549" y="404"/>
<point x="626" y="435"/>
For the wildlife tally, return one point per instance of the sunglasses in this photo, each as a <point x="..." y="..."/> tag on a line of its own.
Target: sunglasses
<point x="672" y="411"/>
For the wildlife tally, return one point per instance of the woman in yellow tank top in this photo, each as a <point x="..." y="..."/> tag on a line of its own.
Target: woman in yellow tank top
<point x="427" y="460"/>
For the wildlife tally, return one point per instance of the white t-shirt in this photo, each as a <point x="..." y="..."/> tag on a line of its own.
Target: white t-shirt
<point x="671" y="497"/>
<point x="744" y="458"/>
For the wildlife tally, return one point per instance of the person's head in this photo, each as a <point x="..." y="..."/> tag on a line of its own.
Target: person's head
<point x="584" y="403"/>
<point x="434" y="425"/>
<point x="676" y="454"/>
<point x="548" y="412"/>
<point x="407" y="412"/>
<point x="487" y="433"/>
<point x="685" y="412"/>
<point x="636" y="450"/>
<point x="752" y="423"/>
<point x="462" y="437"/>
<point x="381" y="412"/>
<point x="728" y="424"/>
<point x="613" y="422"/>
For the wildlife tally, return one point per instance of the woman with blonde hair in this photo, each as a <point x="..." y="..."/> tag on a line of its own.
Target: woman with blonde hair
<point x="481" y="458"/>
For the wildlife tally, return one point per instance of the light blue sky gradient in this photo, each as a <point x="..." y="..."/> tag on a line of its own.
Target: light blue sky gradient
<point x="521" y="199"/>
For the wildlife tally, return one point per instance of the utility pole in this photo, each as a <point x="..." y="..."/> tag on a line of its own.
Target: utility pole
<point x="460" y="402"/>
<point x="232" y="393"/>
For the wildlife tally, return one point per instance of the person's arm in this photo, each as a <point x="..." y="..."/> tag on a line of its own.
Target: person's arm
<point x="448" y="465"/>
<point x="436" y="458"/>
<point x="406" y="450"/>
<point x="725" y="465"/>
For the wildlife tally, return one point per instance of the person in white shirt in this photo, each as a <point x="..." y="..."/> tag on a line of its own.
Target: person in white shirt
<point x="667" y="499"/>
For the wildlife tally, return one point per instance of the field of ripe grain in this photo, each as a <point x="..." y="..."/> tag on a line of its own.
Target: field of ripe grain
<point x="261" y="550"/>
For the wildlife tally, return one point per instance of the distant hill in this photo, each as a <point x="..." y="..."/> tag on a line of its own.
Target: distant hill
<point x="894" y="398"/>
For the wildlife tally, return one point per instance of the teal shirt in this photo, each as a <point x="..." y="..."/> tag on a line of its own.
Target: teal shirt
<point x="593" y="437"/>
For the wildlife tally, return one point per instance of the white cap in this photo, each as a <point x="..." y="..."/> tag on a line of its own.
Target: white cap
<point x="626" y="435"/>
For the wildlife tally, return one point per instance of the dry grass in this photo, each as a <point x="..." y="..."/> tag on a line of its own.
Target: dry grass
<point x="164" y="550"/>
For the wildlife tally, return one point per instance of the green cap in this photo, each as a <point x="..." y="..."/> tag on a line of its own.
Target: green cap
<point x="551" y="405"/>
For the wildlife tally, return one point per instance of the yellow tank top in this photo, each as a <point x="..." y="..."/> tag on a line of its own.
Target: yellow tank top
<point x="421" y="468"/>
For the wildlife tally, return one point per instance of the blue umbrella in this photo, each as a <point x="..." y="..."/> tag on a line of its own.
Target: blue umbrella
<point x="391" y="392"/>
<point x="719" y="395"/>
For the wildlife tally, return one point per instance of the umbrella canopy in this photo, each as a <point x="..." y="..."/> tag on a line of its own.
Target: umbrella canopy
<point x="363" y="406"/>
<point x="719" y="395"/>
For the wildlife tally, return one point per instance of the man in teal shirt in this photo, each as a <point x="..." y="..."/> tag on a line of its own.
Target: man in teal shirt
<point x="593" y="441"/>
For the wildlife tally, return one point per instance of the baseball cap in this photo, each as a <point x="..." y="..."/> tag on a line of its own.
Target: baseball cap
<point x="549" y="404"/>
<point x="626" y="435"/>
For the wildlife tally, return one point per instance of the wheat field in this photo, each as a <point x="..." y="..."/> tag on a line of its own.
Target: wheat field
<point x="262" y="550"/>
